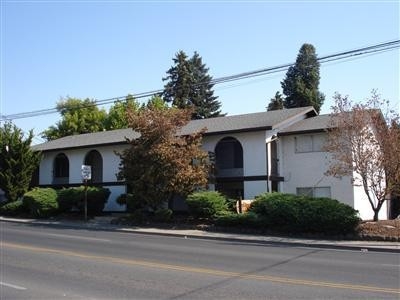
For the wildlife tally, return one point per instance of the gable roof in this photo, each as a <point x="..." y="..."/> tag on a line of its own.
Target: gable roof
<point x="316" y="124"/>
<point x="230" y="124"/>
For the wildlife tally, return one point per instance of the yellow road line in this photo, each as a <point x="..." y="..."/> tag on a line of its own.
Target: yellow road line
<point x="213" y="272"/>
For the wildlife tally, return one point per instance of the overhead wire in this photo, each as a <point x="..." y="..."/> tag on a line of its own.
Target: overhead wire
<point x="340" y="56"/>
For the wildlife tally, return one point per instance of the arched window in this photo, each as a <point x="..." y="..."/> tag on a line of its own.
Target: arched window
<point x="61" y="169"/>
<point x="229" y="168"/>
<point x="229" y="154"/>
<point x="95" y="160"/>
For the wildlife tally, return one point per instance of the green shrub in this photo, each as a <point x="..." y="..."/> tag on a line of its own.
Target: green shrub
<point x="206" y="204"/>
<point x="294" y="214"/>
<point x="96" y="199"/>
<point x="276" y="210"/>
<point x="163" y="215"/>
<point x="132" y="203"/>
<point x="75" y="198"/>
<point x="41" y="202"/>
<point x="68" y="199"/>
<point x="231" y="204"/>
<point x="14" y="208"/>
<point x="245" y="220"/>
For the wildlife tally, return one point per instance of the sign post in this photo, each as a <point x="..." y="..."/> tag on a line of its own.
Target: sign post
<point x="86" y="175"/>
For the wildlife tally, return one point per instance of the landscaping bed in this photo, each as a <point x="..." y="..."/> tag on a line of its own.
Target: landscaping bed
<point x="386" y="230"/>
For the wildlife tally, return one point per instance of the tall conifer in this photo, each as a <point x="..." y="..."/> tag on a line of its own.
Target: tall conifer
<point x="302" y="81"/>
<point x="189" y="86"/>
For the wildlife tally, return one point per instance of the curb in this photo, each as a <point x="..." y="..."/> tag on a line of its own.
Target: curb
<point x="265" y="240"/>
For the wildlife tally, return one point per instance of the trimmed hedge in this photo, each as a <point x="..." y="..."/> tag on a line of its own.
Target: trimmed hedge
<point x="75" y="198"/>
<point x="233" y="219"/>
<point x="67" y="199"/>
<point x="41" y="202"/>
<point x="14" y="208"/>
<point x="132" y="203"/>
<point x="46" y="202"/>
<point x="163" y="215"/>
<point x="206" y="204"/>
<point x="293" y="214"/>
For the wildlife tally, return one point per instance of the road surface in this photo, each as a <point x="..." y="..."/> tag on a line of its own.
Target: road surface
<point x="44" y="262"/>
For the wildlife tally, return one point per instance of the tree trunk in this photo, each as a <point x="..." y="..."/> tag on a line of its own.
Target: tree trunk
<point x="376" y="213"/>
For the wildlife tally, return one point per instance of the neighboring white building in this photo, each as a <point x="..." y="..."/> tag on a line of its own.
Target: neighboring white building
<point x="255" y="153"/>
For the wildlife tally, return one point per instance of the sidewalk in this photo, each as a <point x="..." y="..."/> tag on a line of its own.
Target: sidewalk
<point x="104" y="224"/>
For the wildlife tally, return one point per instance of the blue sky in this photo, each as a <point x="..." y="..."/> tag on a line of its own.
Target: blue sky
<point x="104" y="49"/>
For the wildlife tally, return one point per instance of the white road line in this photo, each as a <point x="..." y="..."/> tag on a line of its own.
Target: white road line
<point x="17" y="287"/>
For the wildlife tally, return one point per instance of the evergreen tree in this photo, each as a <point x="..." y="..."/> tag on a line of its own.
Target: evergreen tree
<point x="276" y="102"/>
<point x="206" y="104"/>
<point x="17" y="161"/>
<point x="302" y="80"/>
<point x="180" y="80"/>
<point x="189" y="86"/>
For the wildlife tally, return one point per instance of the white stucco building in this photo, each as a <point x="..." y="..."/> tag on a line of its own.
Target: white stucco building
<point x="255" y="153"/>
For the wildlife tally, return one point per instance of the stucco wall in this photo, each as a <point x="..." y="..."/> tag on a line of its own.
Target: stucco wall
<point x="254" y="152"/>
<point x="254" y="158"/>
<point x="76" y="158"/>
<point x="307" y="170"/>
<point x="363" y="206"/>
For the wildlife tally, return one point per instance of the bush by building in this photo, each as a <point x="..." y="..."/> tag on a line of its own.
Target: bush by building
<point x="300" y="214"/>
<point x="14" y="208"/>
<point x="67" y="199"/>
<point x="233" y="219"/>
<point x="75" y="198"/>
<point x="132" y="203"/>
<point x="206" y="204"/>
<point x="163" y="215"/>
<point x="41" y="202"/>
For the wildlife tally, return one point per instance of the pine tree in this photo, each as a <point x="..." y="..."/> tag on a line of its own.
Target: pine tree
<point x="17" y="161"/>
<point x="276" y="102"/>
<point x="177" y="89"/>
<point x="203" y="97"/>
<point x="189" y="86"/>
<point x="302" y="80"/>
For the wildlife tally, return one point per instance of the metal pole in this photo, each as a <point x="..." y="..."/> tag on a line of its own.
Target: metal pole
<point x="85" y="200"/>
<point x="240" y="202"/>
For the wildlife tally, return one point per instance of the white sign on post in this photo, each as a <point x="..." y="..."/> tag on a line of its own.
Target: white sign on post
<point x="86" y="172"/>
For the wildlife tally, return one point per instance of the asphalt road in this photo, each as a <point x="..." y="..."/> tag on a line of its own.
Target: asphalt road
<point x="40" y="262"/>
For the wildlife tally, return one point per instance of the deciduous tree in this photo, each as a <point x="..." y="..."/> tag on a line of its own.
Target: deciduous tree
<point x="365" y="145"/>
<point x="17" y="161"/>
<point x="117" y="115"/>
<point x="77" y="116"/>
<point x="161" y="162"/>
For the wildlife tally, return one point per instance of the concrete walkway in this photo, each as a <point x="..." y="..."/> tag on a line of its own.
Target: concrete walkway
<point x="103" y="223"/>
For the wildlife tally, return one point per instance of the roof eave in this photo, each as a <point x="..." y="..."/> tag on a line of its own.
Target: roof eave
<point x="320" y="130"/>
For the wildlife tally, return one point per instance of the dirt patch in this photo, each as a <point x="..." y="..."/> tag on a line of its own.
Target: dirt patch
<point x="381" y="230"/>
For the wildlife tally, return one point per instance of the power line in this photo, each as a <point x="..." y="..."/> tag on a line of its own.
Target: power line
<point x="344" y="55"/>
